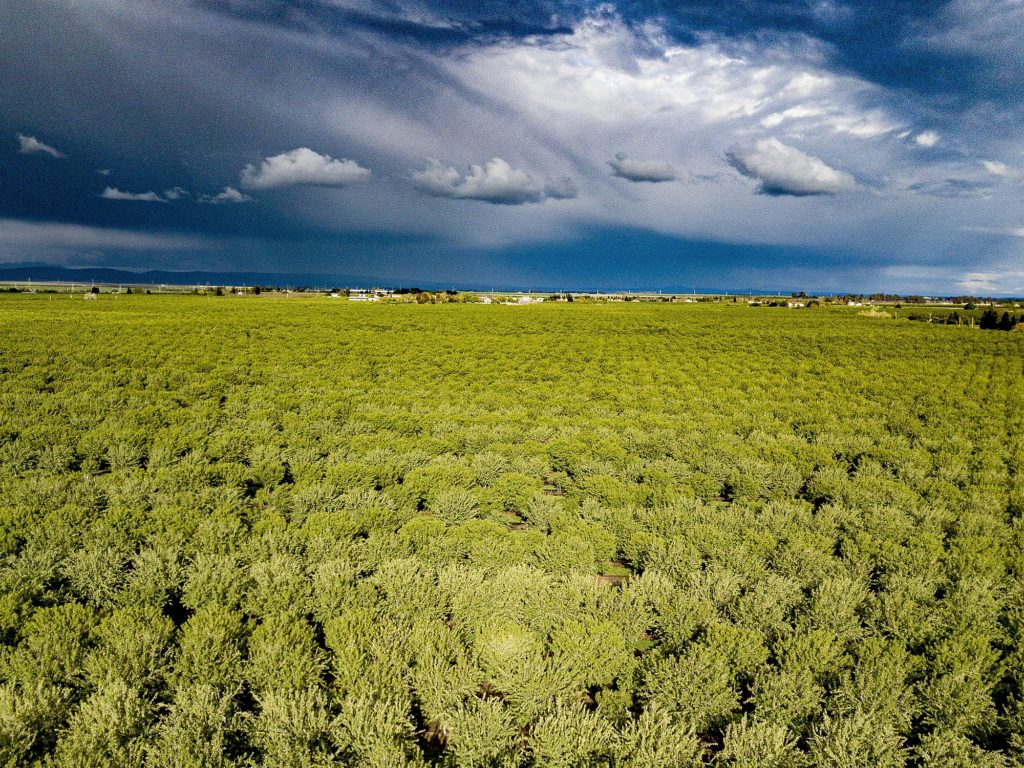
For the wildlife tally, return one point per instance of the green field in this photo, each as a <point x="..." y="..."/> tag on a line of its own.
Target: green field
<point x="303" y="532"/>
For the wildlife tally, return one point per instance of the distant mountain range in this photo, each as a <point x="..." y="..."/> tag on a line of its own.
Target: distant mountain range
<point x="48" y="273"/>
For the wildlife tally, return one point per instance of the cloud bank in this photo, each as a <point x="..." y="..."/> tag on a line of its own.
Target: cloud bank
<point x="653" y="171"/>
<point x="30" y="145"/>
<point x="784" y="170"/>
<point x="15" y="233"/>
<point x="303" y="167"/>
<point x="226" y="196"/>
<point x="185" y="102"/>
<point x="951" y="187"/>
<point x="494" y="182"/>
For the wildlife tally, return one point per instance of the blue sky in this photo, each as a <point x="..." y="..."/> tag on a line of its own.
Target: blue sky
<point x="789" y="145"/>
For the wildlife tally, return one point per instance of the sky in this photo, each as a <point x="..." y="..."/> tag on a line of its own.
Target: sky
<point x="795" y="145"/>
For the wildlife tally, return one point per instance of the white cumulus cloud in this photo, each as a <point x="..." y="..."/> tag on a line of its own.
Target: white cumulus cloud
<point x="995" y="168"/>
<point x="1001" y="170"/>
<point x="927" y="139"/>
<point x="227" y="195"/>
<point x="30" y="144"/>
<point x="113" y="193"/>
<point x="303" y="167"/>
<point x="785" y="170"/>
<point x="653" y="171"/>
<point x="494" y="182"/>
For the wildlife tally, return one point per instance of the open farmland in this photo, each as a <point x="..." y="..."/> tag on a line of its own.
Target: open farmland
<point x="306" y="533"/>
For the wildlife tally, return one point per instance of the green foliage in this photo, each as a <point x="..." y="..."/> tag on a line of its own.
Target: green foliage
<point x="760" y="744"/>
<point x="597" y="534"/>
<point x="454" y="505"/>
<point x="109" y="730"/>
<point x="856" y="741"/>
<point x="293" y="729"/>
<point x="279" y="584"/>
<point x="215" y="580"/>
<point x="481" y="732"/>
<point x="283" y="655"/>
<point x="512" y="492"/>
<point x="569" y="736"/>
<point x="30" y="716"/>
<point x="211" y="648"/>
<point x="198" y="731"/>
<point x="695" y="688"/>
<point x="55" y="643"/>
<point x="132" y="646"/>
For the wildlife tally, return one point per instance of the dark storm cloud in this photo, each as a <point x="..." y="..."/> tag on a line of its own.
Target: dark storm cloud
<point x="174" y="102"/>
<point x="931" y="47"/>
<point x="447" y="24"/>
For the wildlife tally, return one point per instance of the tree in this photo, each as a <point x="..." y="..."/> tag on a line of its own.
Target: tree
<point x="108" y="731"/>
<point x="197" y="730"/>
<point x="569" y="736"/>
<point x="760" y="744"/>
<point x="211" y="649"/>
<point x="294" y="729"/>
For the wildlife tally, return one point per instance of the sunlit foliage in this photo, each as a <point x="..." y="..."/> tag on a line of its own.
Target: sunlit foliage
<point x="295" y="532"/>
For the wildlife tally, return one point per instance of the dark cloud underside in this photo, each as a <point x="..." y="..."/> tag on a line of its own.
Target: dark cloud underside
<point x="298" y="135"/>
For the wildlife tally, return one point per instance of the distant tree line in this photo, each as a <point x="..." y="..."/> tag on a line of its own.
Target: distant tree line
<point x="991" y="320"/>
